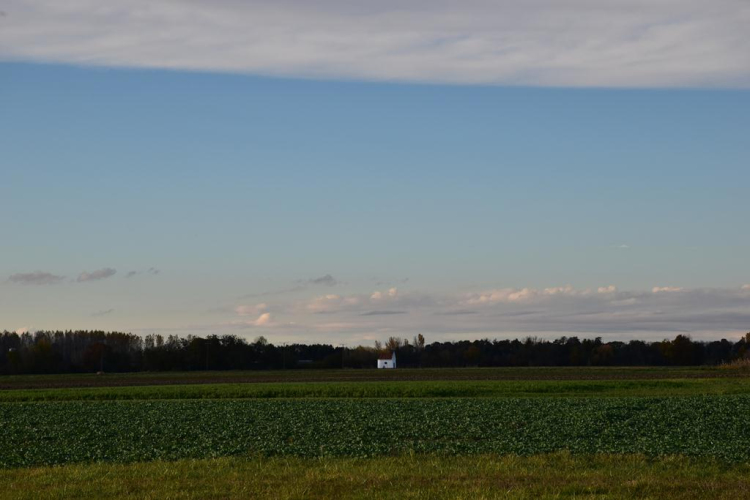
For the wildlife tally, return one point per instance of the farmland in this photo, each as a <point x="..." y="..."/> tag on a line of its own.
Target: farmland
<point x="692" y="422"/>
<point x="65" y="432"/>
<point x="393" y="389"/>
<point x="306" y="376"/>
<point x="558" y="475"/>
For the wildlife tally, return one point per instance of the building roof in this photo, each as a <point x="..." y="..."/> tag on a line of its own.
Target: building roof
<point x="386" y="356"/>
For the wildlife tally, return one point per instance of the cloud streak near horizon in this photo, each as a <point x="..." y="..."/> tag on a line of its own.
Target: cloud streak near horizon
<point x="621" y="43"/>
<point x="605" y="311"/>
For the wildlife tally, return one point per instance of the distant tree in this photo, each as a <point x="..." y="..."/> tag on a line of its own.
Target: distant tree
<point x="419" y="342"/>
<point x="87" y="351"/>
<point x="393" y="343"/>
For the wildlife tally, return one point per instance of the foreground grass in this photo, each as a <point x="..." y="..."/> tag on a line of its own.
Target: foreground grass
<point x="435" y="477"/>
<point x="132" y="431"/>
<point x="395" y="389"/>
<point x="261" y="376"/>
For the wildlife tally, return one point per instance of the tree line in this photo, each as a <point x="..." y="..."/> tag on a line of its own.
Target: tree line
<point x="95" y="351"/>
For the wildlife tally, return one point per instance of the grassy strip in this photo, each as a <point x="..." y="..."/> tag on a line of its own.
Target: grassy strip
<point x="421" y="389"/>
<point x="526" y="373"/>
<point x="122" y="431"/>
<point x="435" y="477"/>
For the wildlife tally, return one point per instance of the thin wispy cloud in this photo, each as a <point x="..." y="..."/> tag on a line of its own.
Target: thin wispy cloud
<point x="708" y="313"/>
<point x="390" y="293"/>
<point x="272" y="293"/>
<point x="303" y="284"/>
<point x="105" y="312"/>
<point x="36" y="278"/>
<point x="97" y="275"/>
<point x="151" y="270"/>
<point x="263" y="320"/>
<point x="248" y="310"/>
<point x="326" y="280"/>
<point x="618" y="43"/>
<point x="461" y="312"/>
<point x="384" y="313"/>
<point x="551" y="311"/>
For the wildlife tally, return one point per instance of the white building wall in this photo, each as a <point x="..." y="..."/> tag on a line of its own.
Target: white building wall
<point x="387" y="363"/>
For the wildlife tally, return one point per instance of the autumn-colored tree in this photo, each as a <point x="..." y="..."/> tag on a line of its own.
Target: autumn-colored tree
<point x="419" y="342"/>
<point x="393" y="343"/>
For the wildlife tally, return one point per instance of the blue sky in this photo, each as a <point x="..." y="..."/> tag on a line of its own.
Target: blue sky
<point x="325" y="206"/>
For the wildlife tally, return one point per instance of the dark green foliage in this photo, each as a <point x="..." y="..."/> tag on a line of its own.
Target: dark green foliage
<point x="92" y="351"/>
<point x="65" y="432"/>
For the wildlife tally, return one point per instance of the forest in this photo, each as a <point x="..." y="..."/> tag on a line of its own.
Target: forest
<point x="99" y="351"/>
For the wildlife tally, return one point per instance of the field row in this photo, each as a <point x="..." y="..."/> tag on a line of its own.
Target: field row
<point x="435" y="477"/>
<point x="394" y="389"/>
<point x="123" y="431"/>
<point x="261" y="376"/>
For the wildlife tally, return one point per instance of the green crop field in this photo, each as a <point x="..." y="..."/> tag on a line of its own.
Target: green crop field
<point x="65" y="432"/>
<point x="476" y="426"/>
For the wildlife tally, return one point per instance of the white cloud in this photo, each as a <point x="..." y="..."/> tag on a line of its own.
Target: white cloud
<point x="21" y="331"/>
<point x="391" y="293"/>
<point x="666" y="289"/>
<point x="510" y="312"/>
<point x="634" y="43"/>
<point x="561" y="290"/>
<point x="745" y="287"/>
<point x="263" y="320"/>
<point x="330" y="303"/>
<point x="522" y="294"/>
<point x="502" y="295"/>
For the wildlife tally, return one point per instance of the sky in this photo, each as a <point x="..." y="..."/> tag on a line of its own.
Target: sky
<point x="351" y="171"/>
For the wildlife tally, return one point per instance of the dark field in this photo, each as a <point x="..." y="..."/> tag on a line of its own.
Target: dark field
<point x="211" y="377"/>
<point x="394" y="389"/>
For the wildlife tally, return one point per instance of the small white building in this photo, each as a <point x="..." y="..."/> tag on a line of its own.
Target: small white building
<point x="385" y="361"/>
